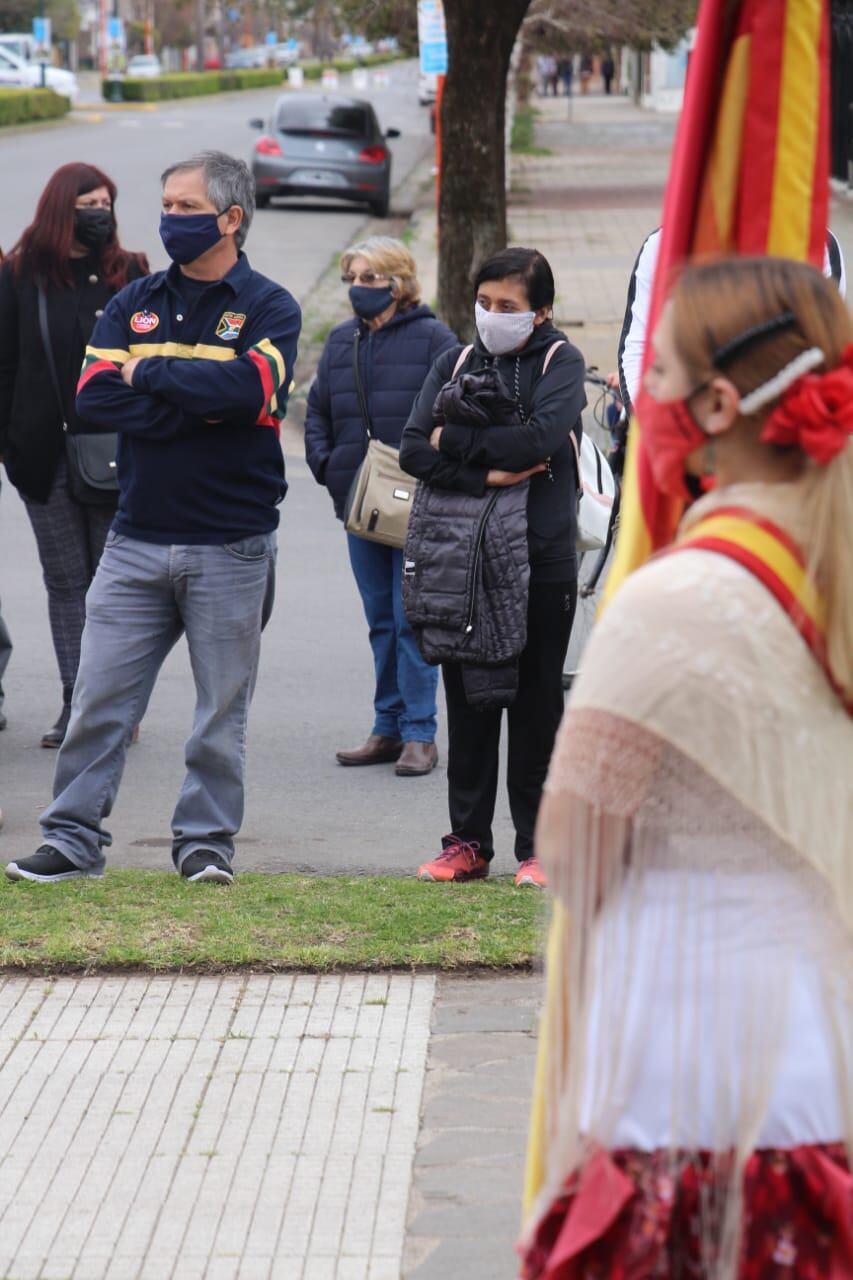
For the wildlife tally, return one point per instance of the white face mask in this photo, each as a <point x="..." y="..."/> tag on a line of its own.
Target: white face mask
<point x="503" y="331"/>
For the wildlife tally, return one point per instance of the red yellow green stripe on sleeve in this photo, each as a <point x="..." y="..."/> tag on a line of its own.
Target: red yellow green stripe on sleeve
<point x="269" y="363"/>
<point x="100" y="360"/>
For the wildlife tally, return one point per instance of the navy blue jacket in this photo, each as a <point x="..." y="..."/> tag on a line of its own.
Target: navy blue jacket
<point x="395" y="360"/>
<point x="199" y="459"/>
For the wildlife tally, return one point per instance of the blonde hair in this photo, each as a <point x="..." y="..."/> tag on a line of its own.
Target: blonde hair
<point x="715" y="302"/>
<point x="391" y="258"/>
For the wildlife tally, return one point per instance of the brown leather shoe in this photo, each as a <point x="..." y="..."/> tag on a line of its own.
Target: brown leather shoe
<point x="417" y="758"/>
<point x="377" y="750"/>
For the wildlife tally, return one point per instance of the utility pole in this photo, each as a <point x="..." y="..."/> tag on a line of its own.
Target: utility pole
<point x="199" y="33"/>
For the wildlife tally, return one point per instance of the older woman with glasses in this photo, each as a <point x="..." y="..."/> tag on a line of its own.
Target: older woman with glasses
<point x="398" y="340"/>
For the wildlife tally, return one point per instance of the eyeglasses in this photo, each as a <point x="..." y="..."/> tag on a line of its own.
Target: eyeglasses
<point x="365" y="277"/>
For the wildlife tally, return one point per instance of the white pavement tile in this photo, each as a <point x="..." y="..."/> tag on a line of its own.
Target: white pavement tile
<point x="234" y="1128"/>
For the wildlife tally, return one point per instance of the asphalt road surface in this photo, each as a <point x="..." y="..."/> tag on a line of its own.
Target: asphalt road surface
<point x="290" y="242"/>
<point x="315" y="687"/>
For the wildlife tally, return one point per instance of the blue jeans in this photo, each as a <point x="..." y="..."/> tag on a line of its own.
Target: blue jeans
<point x="404" y="702"/>
<point x="143" y="597"/>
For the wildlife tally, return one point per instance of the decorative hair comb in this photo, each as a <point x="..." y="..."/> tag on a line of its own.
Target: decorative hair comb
<point x="757" y="333"/>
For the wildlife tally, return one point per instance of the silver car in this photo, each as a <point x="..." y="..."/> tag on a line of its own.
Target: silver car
<point x="319" y="145"/>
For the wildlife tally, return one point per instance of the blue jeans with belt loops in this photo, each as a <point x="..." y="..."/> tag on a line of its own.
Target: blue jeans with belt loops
<point x="405" y="693"/>
<point x="143" y="598"/>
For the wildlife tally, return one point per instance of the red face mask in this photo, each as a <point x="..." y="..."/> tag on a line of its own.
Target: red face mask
<point x="670" y="433"/>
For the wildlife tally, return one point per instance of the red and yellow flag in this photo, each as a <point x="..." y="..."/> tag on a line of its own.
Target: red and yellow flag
<point x="749" y="174"/>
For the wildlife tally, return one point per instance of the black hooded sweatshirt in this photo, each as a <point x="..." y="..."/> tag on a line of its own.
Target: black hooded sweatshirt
<point x="551" y="405"/>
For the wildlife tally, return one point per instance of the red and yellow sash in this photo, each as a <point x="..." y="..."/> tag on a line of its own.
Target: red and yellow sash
<point x="776" y="560"/>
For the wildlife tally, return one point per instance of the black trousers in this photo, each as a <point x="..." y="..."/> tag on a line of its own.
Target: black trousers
<point x="533" y="720"/>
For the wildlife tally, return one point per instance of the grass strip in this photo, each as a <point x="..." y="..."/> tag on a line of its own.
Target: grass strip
<point x="522" y="136"/>
<point x="22" y="106"/>
<point x="154" y="921"/>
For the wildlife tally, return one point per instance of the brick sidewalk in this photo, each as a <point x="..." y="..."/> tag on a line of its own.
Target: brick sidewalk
<point x="209" y="1128"/>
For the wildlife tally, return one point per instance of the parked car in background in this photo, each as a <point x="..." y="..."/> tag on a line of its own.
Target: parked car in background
<point x="144" y="66"/>
<point x="427" y="88"/>
<point x="246" y="59"/>
<point x="15" y="73"/>
<point x="284" y="55"/>
<point x="21" y="43"/>
<point x="323" y="145"/>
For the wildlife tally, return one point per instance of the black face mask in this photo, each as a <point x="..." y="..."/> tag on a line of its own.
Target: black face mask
<point x="93" y="227"/>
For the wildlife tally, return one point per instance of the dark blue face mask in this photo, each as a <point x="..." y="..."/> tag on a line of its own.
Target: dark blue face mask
<point x="187" y="236"/>
<point x="370" y="303"/>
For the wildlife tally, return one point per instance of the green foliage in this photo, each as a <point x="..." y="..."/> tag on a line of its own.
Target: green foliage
<point x="153" y="920"/>
<point x="378" y="18"/>
<point x="191" y="84"/>
<point x="17" y="15"/>
<point x="314" y="70"/>
<point x="20" y="106"/>
<point x="573" y="26"/>
<point x="65" y="17"/>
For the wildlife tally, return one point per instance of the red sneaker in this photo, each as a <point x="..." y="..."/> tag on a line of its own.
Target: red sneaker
<point x="530" y="875"/>
<point x="458" y="860"/>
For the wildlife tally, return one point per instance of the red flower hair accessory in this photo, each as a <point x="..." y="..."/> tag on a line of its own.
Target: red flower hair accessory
<point x="815" y="413"/>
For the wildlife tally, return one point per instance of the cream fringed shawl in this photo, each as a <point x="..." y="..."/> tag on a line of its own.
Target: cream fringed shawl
<point x="697" y="830"/>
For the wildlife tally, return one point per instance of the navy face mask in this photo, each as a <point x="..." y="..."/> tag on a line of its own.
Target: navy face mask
<point x="187" y="236"/>
<point x="370" y="303"/>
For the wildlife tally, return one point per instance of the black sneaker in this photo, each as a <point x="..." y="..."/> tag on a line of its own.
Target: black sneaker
<point x="49" y="866"/>
<point x="204" y="864"/>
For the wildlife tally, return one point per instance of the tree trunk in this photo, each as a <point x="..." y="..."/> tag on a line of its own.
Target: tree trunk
<point x="472" y="211"/>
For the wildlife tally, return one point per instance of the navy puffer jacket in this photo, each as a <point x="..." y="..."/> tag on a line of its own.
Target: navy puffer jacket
<point x="395" y="361"/>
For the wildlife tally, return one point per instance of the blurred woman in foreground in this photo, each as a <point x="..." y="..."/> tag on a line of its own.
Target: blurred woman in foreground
<point x="696" y="825"/>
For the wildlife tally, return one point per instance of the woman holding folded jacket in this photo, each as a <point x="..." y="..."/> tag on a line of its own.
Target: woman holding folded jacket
<point x="395" y="339"/>
<point x="72" y="252"/>
<point x="543" y="372"/>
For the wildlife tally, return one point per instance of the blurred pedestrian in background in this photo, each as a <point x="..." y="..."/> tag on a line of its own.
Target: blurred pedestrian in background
<point x="586" y="69"/>
<point x="608" y="71"/>
<point x="566" y="73"/>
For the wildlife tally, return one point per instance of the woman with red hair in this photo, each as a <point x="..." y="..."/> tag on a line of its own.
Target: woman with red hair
<point x="67" y="265"/>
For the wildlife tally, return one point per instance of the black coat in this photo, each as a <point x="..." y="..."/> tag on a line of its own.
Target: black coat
<point x="552" y="403"/>
<point x="31" y="435"/>
<point x="395" y="360"/>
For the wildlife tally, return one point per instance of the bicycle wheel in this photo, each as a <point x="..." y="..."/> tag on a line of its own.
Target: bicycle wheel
<point x="589" y="598"/>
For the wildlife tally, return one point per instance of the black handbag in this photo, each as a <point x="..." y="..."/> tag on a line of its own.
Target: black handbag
<point x="90" y="458"/>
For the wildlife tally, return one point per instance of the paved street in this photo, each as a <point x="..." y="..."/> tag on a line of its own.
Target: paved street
<point x="292" y="243"/>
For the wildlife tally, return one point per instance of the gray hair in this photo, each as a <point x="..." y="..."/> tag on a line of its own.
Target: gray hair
<point x="227" y="181"/>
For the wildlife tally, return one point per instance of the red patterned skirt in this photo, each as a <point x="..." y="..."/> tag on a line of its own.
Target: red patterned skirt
<point x="625" y="1216"/>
